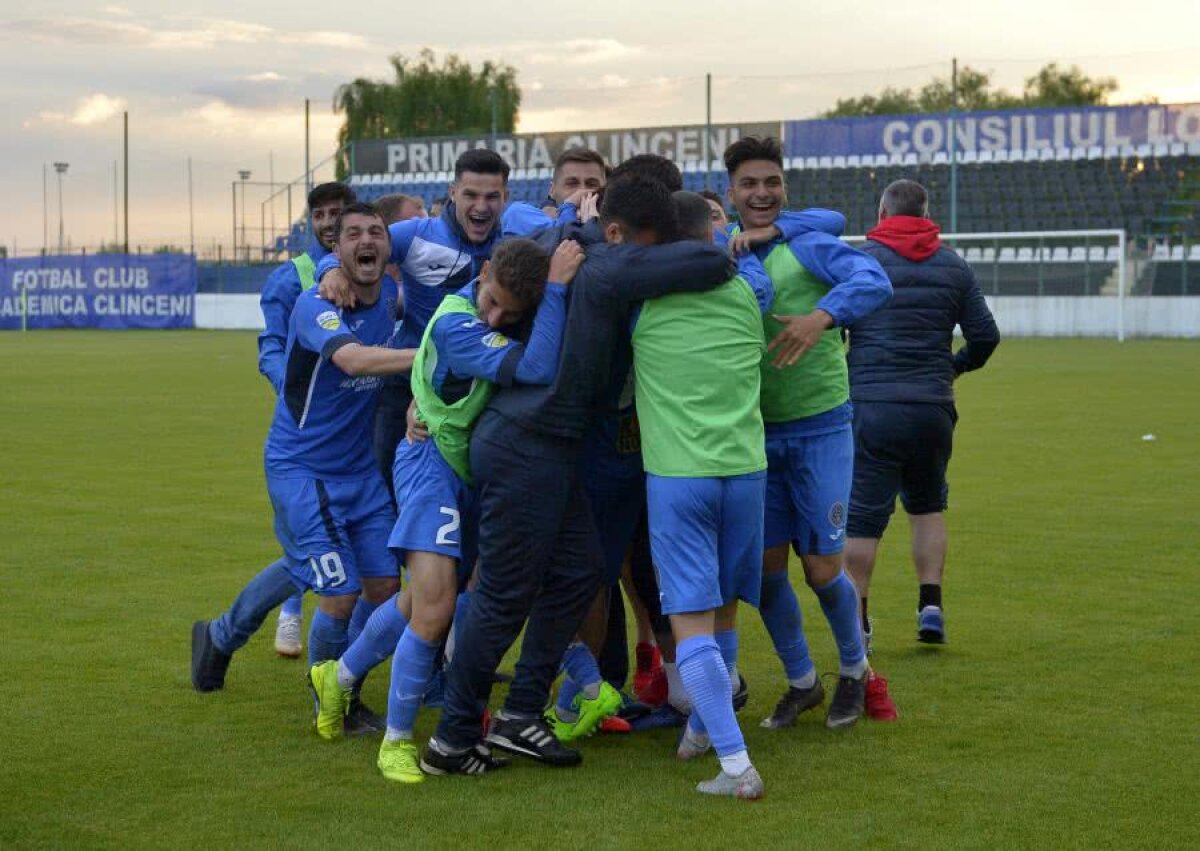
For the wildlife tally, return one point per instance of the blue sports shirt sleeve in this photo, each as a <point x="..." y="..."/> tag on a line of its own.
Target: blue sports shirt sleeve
<point x="470" y="348"/>
<point x="751" y="270"/>
<point x="859" y="286"/>
<point x="793" y="223"/>
<point x="277" y="302"/>
<point x="319" y="327"/>
<point x="401" y="235"/>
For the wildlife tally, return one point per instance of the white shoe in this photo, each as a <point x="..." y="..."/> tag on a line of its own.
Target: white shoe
<point x="287" y="636"/>
<point x="748" y="786"/>
<point x="692" y="745"/>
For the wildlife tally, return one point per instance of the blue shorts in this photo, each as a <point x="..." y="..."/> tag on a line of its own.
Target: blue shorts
<point x="334" y="533"/>
<point x="706" y="540"/>
<point x="436" y="507"/>
<point x="616" y="489"/>
<point x="808" y="491"/>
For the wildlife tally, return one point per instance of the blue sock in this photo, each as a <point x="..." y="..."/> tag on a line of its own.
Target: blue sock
<point x="839" y="602"/>
<point x="377" y="640"/>
<point x="326" y="637"/>
<point x="707" y="682"/>
<point x="461" y="604"/>
<point x="293" y="606"/>
<point x="358" y="618"/>
<point x="727" y="644"/>
<point x="411" y="666"/>
<point x="780" y="611"/>
<point x="581" y="667"/>
<point x="250" y="608"/>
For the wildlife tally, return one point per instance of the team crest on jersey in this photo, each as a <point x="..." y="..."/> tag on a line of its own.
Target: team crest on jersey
<point x="329" y="320"/>
<point x="837" y="515"/>
<point x="495" y="340"/>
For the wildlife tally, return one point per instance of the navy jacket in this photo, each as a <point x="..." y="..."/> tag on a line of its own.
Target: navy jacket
<point x="904" y="352"/>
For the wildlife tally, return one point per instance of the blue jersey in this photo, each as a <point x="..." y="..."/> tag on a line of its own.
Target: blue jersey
<point x="468" y="349"/>
<point x="322" y="423"/>
<point x="278" y="298"/>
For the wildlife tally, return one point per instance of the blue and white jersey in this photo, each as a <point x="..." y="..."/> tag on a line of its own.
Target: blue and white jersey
<point x="322" y="423"/>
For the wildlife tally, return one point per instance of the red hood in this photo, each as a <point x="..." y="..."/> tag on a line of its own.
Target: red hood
<point x="912" y="237"/>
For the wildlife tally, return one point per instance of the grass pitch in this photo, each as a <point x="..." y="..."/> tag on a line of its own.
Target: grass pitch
<point x="1063" y="712"/>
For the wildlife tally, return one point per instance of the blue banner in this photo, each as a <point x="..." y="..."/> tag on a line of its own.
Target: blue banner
<point x="1002" y="130"/>
<point x="99" y="291"/>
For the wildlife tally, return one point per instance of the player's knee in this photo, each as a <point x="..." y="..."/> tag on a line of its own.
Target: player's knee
<point x="820" y="570"/>
<point x="340" y="606"/>
<point x="380" y="589"/>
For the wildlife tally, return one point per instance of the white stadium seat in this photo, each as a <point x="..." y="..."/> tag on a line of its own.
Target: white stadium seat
<point x="1046" y="154"/>
<point x="1143" y="151"/>
<point x="1112" y="152"/>
<point x="1060" y="254"/>
<point x="1095" y="152"/>
<point x="909" y="159"/>
<point x="853" y="161"/>
<point x="1008" y="254"/>
<point x="1178" y="149"/>
<point x="969" y="156"/>
<point x="1112" y="254"/>
<point x="1162" y="252"/>
<point x="1024" y="254"/>
<point x="940" y="158"/>
<point x="810" y="162"/>
<point x="825" y="162"/>
<point x="1177" y="253"/>
<point x="1079" y="153"/>
<point x="987" y="156"/>
<point x="1194" y="253"/>
<point x="1161" y="150"/>
<point x="988" y="255"/>
<point x="1095" y="253"/>
<point x="974" y="254"/>
<point x="1078" y="254"/>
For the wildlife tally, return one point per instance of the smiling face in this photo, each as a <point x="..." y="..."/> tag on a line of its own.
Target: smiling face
<point x="478" y="202"/>
<point x="363" y="248"/>
<point x="323" y="217"/>
<point x="758" y="192"/>
<point x="573" y="176"/>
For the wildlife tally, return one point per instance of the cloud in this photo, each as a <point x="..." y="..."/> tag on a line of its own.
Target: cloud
<point x="265" y="77"/>
<point x="578" y="51"/>
<point x="90" y="110"/>
<point x="118" y="10"/>
<point x="186" y="33"/>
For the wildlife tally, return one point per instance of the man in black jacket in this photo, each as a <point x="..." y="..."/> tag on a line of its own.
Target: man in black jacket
<point x="902" y="370"/>
<point x="540" y="559"/>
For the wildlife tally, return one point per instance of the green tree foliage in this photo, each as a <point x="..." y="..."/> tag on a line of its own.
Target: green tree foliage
<point x="1051" y="86"/>
<point x="427" y="99"/>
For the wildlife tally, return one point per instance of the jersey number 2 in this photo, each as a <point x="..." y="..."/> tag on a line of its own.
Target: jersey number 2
<point x="445" y="531"/>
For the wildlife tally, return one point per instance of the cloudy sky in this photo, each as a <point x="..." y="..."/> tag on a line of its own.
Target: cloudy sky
<point x="225" y="82"/>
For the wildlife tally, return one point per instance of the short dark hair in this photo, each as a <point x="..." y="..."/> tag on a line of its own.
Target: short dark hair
<point x="480" y="161"/>
<point x="581" y="155"/>
<point x="753" y="148"/>
<point x="358" y="208"/>
<point x="652" y="167"/>
<point x="389" y="206"/>
<point x="712" y="196"/>
<point x="695" y="216"/>
<point x="327" y="193"/>
<point x="521" y="267"/>
<point x="905" y="198"/>
<point x="640" y="203"/>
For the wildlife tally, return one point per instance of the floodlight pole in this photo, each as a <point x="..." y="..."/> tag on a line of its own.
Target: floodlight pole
<point x="244" y="175"/>
<point x="707" y="127"/>
<point x="126" y="120"/>
<point x="61" y="168"/>
<point x="953" y="151"/>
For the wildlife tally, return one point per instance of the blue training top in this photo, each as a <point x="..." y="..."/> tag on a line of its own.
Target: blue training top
<point x="322" y="422"/>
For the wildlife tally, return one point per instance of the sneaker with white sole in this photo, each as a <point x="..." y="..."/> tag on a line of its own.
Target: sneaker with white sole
<point x="931" y="625"/>
<point x="287" y="636"/>
<point x="748" y="785"/>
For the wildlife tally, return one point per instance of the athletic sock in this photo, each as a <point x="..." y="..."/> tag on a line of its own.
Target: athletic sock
<point x="866" y="624"/>
<point x="727" y="644"/>
<point x="736" y="764"/>
<point x="582" y="671"/>
<point x="250" y="608"/>
<point x="376" y="642"/>
<point x="839" y="602"/>
<point x="780" y="612"/>
<point x="326" y="637"/>
<point x="707" y="681"/>
<point x="677" y="695"/>
<point x="461" y="604"/>
<point x="929" y="595"/>
<point x="411" y="666"/>
<point x="358" y="618"/>
<point x="293" y="606"/>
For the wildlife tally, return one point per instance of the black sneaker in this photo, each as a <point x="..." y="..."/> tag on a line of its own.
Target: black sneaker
<point x="531" y="737"/>
<point x="360" y="720"/>
<point x="849" y="699"/>
<point x="475" y="760"/>
<point x="742" y="695"/>
<point x="794" y="701"/>
<point x="208" y="663"/>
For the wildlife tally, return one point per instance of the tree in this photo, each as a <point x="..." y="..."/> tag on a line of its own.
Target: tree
<point x="426" y="99"/>
<point x="1051" y="86"/>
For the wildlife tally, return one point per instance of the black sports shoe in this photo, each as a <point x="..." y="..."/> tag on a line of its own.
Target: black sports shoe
<point x="360" y="720"/>
<point x="208" y="663"/>
<point x="849" y="699"/>
<point x="742" y="695"/>
<point x="794" y="701"/>
<point x="531" y="737"/>
<point x="475" y="760"/>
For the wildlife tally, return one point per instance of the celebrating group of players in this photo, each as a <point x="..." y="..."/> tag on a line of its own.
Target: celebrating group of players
<point x="617" y="386"/>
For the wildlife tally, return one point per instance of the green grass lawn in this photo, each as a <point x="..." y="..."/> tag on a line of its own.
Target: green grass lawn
<point x="1062" y="714"/>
